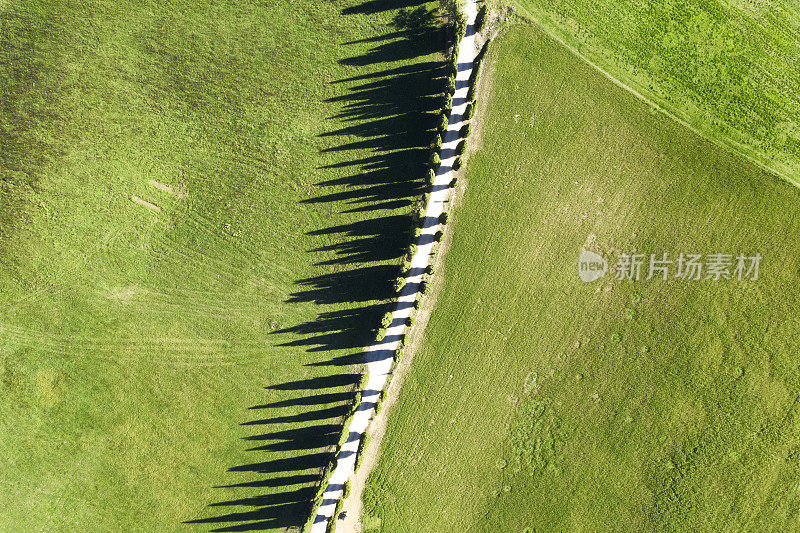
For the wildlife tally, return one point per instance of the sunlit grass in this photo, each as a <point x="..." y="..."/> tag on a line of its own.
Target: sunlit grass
<point x="539" y="401"/>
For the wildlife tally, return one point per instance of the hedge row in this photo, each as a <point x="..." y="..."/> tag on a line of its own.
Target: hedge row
<point x="458" y="29"/>
<point x="326" y="475"/>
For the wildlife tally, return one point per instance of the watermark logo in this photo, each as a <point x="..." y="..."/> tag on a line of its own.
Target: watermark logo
<point x="591" y="266"/>
<point x="684" y="266"/>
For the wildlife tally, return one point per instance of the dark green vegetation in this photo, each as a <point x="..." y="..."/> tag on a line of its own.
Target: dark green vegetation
<point x="727" y="67"/>
<point x="155" y="362"/>
<point x="541" y="403"/>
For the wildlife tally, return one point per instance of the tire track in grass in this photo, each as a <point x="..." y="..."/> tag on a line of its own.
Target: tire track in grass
<point x="171" y="351"/>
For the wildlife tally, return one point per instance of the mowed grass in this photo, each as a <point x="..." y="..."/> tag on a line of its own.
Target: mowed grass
<point x="537" y="402"/>
<point x="139" y="347"/>
<point x="727" y="67"/>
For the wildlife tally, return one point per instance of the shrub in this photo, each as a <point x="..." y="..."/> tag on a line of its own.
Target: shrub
<point x="335" y="516"/>
<point x="405" y="266"/>
<point x="471" y="92"/>
<point x="443" y="218"/>
<point x="443" y="122"/>
<point x="437" y="142"/>
<point x="430" y="270"/>
<point x="423" y="286"/>
<point x="409" y="320"/>
<point x="457" y="162"/>
<point x="420" y="214"/>
<point x="402" y="341"/>
<point x="460" y="27"/>
<point x="417" y="303"/>
<point x="379" y="402"/>
<point x="438" y="235"/>
<point x="412" y="249"/>
<point x="435" y="160"/>
<point x="417" y="232"/>
<point x="362" y="382"/>
<point x="447" y="103"/>
<point x="425" y="199"/>
<point x="326" y="475"/>
<point x="470" y="111"/>
<point x="482" y="53"/>
<point x="451" y="85"/>
<point x="431" y="177"/>
<point x="475" y="74"/>
<point x="346" y="490"/>
<point x="460" y="147"/>
<point x="453" y="182"/>
<point x="451" y="9"/>
<point x="399" y="283"/>
<point x="381" y="333"/>
<point x="476" y="65"/>
<point x="386" y="321"/>
<point x="346" y="423"/>
<point x="480" y="19"/>
<point x="361" y="447"/>
<point x="465" y="130"/>
<point x="398" y="354"/>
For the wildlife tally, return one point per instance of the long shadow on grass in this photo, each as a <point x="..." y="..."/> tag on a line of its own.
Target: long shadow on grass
<point x="389" y="112"/>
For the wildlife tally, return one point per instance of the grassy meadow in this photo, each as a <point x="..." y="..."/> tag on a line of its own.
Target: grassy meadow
<point x="201" y="210"/>
<point x="537" y="402"/>
<point x="728" y="68"/>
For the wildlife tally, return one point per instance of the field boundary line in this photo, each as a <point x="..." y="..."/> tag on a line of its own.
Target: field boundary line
<point x="731" y="146"/>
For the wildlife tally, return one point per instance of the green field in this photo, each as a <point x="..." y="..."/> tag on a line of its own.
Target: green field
<point x="158" y="360"/>
<point x="537" y="402"/>
<point x="727" y="67"/>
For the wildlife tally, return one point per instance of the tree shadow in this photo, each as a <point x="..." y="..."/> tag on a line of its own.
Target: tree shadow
<point x="375" y="154"/>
